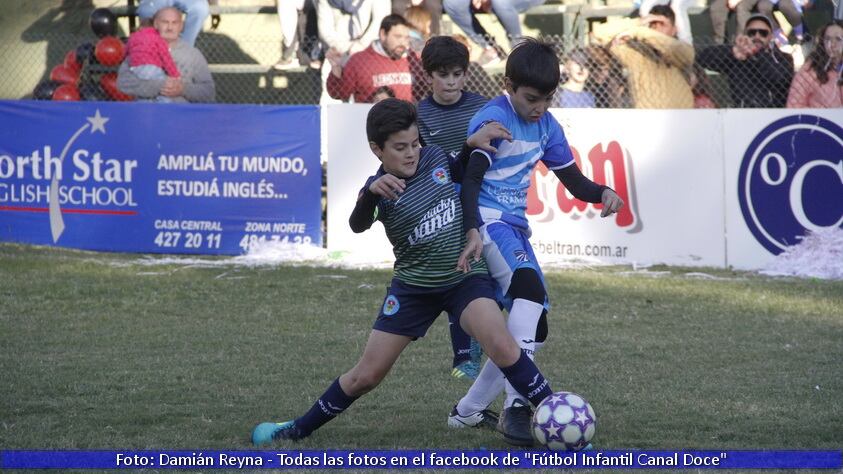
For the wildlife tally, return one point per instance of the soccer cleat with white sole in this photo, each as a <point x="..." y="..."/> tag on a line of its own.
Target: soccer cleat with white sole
<point x="479" y="419"/>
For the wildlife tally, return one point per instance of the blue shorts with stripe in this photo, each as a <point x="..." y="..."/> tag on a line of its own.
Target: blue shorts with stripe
<point x="409" y="310"/>
<point x="507" y="248"/>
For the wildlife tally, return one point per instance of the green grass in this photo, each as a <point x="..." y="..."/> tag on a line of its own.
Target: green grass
<point x="102" y="352"/>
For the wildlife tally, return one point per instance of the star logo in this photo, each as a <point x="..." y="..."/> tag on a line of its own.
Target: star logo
<point x="98" y="122"/>
<point x="553" y="431"/>
<point x="581" y="417"/>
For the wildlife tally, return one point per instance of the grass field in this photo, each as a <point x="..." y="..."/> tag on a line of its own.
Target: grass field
<point x="105" y="351"/>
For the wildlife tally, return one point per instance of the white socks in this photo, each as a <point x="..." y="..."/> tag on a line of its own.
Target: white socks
<point x="523" y="321"/>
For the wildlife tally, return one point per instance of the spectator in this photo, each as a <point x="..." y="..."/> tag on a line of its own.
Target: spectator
<point x="719" y="12"/>
<point x="759" y="74"/>
<point x="701" y="88"/>
<point x="348" y="26"/>
<point x="292" y="14"/>
<point x="819" y="83"/>
<point x="383" y="63"/>
<point x="680" y="11"/>
<point x="196" y="10"/>
<point x="571" y="93"/>
<point x="195" y="83"/>
<point x="382" y="93"/>
<point x="433" y="7"/>
<point x="791" y="9"/>
<point x="149" y="57"/>
<point x="506" y="11"/>
<point x="419" y="20"/>
<point x="607" y="80"/>
<point x="657" y="62"/>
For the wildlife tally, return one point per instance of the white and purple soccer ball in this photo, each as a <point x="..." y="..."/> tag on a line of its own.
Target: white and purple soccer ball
<point x="564" y="421"/>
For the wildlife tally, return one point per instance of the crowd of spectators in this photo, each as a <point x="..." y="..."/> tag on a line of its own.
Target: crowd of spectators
<point x="370" y="49"/>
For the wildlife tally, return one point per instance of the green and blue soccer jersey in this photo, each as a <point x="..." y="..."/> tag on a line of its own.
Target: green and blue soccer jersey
<point x="503" y="193"/>
<point x="424" y="224"/>
<point x="446" y="125"/>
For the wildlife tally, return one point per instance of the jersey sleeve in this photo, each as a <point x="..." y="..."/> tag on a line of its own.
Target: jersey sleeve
<point x="557" y="152"/>
<point x="484" y="116"/>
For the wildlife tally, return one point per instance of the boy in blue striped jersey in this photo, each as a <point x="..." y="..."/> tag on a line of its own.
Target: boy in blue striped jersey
<point x="494" y="198"/>
<point x="414" y="197"/>
<point x="443" y="119"/>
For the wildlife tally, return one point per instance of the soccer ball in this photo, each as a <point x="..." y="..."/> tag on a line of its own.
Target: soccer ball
<point x="564" y="421"/>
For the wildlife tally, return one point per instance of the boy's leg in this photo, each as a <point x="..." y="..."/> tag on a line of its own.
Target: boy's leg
<point x="513" y="265"/>
<point x="483" y="320"/>
<point x="467" y="352"/>
<point x="381" y="352"/>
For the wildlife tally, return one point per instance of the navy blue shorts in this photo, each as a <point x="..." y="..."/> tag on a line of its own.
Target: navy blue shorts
<point x="409" y="310"/>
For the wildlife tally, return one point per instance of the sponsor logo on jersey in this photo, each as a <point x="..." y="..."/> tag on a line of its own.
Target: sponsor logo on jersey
<point x="791" y="180"/>
<point x="433" y="221"/>
<point x="391" y="305"/>
<point x="440" y="176"/>
<point x="521" y="256"/>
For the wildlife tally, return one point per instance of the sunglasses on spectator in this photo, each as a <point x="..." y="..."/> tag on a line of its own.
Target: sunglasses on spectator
<point x="758" y="31"/>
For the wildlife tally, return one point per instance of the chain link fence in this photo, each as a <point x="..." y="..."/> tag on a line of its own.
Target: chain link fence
<point x="243" y="72"/>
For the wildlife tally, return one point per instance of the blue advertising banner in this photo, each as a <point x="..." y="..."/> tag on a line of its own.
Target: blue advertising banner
<point x="427" y="459"/>
<point x="146" y="177"/>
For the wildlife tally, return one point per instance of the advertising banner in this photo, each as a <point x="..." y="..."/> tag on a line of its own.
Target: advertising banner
<point x="784" y="177"/>
<point x="192" y="179"/>
<point x="671" y="183"/>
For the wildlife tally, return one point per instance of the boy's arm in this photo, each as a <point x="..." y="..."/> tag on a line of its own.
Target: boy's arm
<point x="581" y="187"/>
<point x="379" y="186"/>
<point x="559" y="159"/>
<point x="587" y="190"/>
<point x="478" y="163"/>
<point x="363" y="214"/>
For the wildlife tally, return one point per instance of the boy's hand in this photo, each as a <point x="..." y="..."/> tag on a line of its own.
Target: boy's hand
<point x="388" y="186"/>
<point x="611" y="203"/>
<point x="483" y="138"/>
<point x="473" y="250"/>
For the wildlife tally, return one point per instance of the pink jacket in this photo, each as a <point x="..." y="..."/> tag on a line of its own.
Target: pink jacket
<point x="147" y="47"/>
<point x="806" y="91"/>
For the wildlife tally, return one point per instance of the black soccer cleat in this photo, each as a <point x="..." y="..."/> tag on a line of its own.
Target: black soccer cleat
<point x="515" y="424"/>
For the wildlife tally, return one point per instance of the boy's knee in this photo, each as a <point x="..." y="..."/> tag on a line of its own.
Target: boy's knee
<point x="503" y="350"/>
<point x="526" y="284"/>
<point x="364" y="381"/>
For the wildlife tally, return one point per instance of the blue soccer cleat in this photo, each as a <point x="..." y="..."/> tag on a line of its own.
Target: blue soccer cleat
<point x="267" y="432"/>
<point x="466" y="370"/>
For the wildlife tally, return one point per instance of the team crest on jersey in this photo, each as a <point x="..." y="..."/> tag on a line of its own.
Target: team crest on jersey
<point x="391" y="305"/>
<point x="521" y="256"/>
<point x="440" y="176"/>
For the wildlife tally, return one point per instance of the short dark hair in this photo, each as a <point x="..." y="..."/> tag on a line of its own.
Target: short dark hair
<point x="444" y="52"/>
<point x="533" y="63"/>
<point x="665" y="11"/>
<point x="393" y="20"/>
<point x="387" y="117"/>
